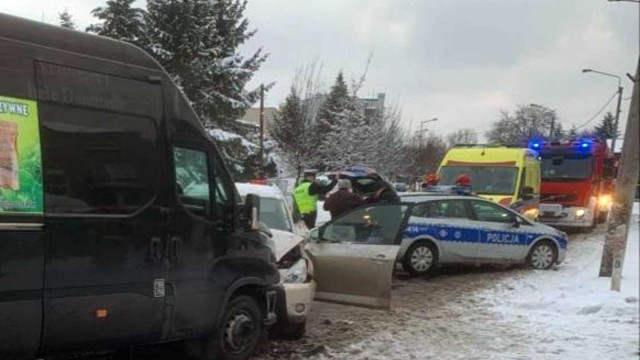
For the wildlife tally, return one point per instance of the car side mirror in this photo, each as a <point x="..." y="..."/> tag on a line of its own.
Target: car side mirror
<point x="314" y="235"/>
<point x="527" y="193"/>
<point x="251" y="211"/>
<point x="517" y="222"/>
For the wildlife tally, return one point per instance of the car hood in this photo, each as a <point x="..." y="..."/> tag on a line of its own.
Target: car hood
<point x="284" y="242"/>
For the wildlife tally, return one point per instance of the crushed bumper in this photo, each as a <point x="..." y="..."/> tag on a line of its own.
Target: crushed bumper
<point x="294" y="301"/>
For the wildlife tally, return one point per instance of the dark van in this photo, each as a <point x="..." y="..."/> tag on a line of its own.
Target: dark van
<point x="107" y="239"/>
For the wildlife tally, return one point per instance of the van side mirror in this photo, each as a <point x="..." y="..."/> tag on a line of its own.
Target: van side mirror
<point x="251" y="211"/>
<point x="608" y="168"/>
<point x="527" y="193"/>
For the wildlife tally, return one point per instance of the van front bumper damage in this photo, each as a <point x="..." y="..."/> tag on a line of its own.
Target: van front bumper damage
<point x="271" y="297"/>
<point x="295" y="301"/>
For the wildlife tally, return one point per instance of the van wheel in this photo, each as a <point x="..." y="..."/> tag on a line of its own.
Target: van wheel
<point x="240" y="332"/>
<point x="421" y="258"/>
<point x="543" y="255"/>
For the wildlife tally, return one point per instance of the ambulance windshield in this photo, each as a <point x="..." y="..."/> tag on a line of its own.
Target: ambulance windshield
<point x="485" y="180"/>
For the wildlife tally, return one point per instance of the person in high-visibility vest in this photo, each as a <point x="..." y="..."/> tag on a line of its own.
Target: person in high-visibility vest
<point x="306" y="197"/>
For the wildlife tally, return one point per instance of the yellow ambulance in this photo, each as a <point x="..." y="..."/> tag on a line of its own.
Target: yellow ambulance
<point x="507" y="175"/>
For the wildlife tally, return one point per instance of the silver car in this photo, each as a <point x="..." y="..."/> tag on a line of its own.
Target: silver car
<point x="297" y="288"/>
<point x="445" y="228"/>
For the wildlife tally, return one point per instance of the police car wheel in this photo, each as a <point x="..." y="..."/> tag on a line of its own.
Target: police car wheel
<point x="420" y="259"/>
<point x="543" y="255"/>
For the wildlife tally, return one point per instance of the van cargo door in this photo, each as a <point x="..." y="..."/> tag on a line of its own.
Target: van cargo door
<point x="102" y="155"/>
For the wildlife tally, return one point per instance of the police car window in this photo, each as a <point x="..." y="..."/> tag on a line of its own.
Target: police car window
<point x="373" y="225"/>
<point x="455" y="209"/>
<point x="486" y="211"/>
<point x="420" y="210"/>
<point x="192" y="179"/>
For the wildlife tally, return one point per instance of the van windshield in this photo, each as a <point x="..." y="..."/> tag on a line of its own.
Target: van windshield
<point x="559" y="168"/>
<point x="486" y="180"/>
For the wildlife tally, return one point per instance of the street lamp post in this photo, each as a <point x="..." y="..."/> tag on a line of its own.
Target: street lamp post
<point x="421" y="131"/>
<point x="615" y="125"/>
<point x="424" y="122"/>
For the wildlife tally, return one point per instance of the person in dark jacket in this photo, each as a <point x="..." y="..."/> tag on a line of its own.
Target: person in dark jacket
<point x="342" y="200"/>
<point x="384" y="194"/>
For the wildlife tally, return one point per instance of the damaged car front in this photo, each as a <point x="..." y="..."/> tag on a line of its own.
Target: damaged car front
<point x="297" y="287"/>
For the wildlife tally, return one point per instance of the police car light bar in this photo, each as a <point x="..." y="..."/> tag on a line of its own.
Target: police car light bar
<point x="449" y="189"/>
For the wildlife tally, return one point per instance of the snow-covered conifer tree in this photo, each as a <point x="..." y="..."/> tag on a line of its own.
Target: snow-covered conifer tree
<point x="119" y="20"/>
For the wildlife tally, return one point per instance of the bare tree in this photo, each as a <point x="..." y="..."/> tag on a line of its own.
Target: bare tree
<point x="462" y="136"/>
<point x="527" y="122"/>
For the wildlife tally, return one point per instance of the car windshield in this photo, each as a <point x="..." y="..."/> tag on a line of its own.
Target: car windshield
<point x="273" y="213"/>
<point x="486" y="180"/>
<point x="558" y="168"/>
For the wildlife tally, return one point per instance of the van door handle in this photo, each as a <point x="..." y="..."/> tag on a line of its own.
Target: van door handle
<point x="155" y="249"/>
<point x="175" y="248"/>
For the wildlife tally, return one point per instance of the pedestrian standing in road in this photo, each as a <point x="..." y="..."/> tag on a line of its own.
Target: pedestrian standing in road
<point x="306" y="197"/>
<point x="342" y="200"/>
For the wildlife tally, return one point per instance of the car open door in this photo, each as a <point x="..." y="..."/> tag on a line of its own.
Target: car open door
<point x="354" y="255"/>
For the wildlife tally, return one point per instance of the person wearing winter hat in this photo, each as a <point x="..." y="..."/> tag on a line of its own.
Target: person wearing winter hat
<point x="342" y="200"/>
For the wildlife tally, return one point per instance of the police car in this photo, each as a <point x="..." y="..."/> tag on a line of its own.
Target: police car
<point x="447" y="225"/>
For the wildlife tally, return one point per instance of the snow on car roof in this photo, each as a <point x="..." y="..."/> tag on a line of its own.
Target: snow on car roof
<point x="266" y="191"/>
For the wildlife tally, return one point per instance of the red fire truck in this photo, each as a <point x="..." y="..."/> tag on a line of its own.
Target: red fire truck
<point x="577" y="182"/>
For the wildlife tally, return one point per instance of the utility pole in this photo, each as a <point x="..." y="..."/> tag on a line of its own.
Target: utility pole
<point x="618" y="223"/>
<point x="615" y="126"/>
<point x="261" y="167"/>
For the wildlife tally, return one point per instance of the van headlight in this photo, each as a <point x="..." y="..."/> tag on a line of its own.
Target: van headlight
<point x="296" y="274"/>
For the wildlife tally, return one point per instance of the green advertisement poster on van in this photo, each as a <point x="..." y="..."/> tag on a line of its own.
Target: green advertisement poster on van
<point x="20" y="160"/>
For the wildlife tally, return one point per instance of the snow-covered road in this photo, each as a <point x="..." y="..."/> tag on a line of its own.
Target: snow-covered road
<point x="488" y="313"/>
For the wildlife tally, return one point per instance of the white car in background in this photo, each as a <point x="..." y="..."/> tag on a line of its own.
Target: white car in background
<point x="297" y="288"/>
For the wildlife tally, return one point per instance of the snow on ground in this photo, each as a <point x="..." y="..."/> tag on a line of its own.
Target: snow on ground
<point x="488" y="313"/>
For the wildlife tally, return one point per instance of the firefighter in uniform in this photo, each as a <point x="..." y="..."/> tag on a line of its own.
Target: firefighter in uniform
<point x="306" y="197"/>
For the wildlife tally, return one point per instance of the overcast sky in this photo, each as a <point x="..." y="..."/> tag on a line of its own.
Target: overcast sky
<point x="461" y="61"/>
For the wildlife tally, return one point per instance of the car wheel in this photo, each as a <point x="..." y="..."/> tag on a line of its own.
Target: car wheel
<point x="289" y="331"/>
<point x="543" y="255"/>
<point x="421" y="258"/>
<point x="240" y="332"/>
